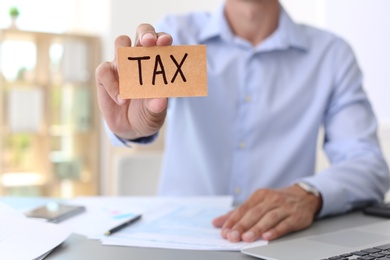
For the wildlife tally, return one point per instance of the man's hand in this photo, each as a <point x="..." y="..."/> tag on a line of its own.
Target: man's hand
<point x="269" y="214"/>
<point x="130" y="119"/>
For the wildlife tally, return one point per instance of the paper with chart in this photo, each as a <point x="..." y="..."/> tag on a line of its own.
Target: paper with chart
<point x="178" y="227"/>
<point x="103" y="213"/>
<point x="23" y="238"/>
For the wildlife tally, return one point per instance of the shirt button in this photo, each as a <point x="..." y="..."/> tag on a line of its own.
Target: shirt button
<point x="237" y="191"/>
<point x="242" y="145"/>
<point x="248" y="99"/>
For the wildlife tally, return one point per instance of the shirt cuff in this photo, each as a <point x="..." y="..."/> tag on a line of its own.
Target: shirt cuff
<point x="141" y="140"/>
<point x="334" y="197"/>
<point x="117" y="141"/>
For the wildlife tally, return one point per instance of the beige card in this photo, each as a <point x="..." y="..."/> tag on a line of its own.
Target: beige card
<point x="169" y="71"/>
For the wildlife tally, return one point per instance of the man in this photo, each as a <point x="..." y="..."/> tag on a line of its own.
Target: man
<point x="272" y="85"/>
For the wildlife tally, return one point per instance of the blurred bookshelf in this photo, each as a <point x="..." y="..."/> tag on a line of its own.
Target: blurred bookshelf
<point x="49" y="118"/>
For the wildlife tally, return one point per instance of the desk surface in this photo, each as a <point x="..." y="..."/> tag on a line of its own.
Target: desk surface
<point x="78" y="247"/>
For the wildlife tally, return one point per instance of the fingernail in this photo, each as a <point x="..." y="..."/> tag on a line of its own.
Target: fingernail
<point x="235" y="235"/>
<point x="148" y="36"/>
<point x="119" y="100"/>
<point x="267" y="235"/>
<point x="248" y="236"/>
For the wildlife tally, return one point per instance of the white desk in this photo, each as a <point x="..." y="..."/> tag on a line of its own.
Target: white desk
<point x="78" y="247"/>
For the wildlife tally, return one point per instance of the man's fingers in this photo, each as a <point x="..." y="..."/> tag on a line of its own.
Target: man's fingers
<point x="228" y="228"/>
<point x="219" y="221"/>
<point x="107" y="72"/>
<point x="164" y="39"/>
<point x="256" y="199"/>
<point x="246" y="222"/>
<point x="145" y="36"/>
<point x="267" y="222"/>
<point x="282" y="228"/>
<point x="121" y="41"/>
<point x="253" y="221"/>
<point x="146" y="116"/>
<point x="157" y="105"/>
<point x="107" y="82"/>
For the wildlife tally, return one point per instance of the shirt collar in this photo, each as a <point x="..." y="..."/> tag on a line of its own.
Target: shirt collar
<point x="288" y="34"/>
<point x="216" y="26"/>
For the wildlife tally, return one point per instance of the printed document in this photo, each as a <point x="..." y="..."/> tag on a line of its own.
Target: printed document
<point x="23" y="238"/>
<point x="104" y="213"/>
<point x="178" y="226"/>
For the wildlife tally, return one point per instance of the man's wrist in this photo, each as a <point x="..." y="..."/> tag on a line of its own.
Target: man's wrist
<point x="309" y="188"/>
<point x="313" y="192"/>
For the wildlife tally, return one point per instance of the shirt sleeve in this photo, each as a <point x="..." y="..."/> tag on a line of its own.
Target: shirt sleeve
<point x="358" y="173"/>
<point x="120" y="142"/>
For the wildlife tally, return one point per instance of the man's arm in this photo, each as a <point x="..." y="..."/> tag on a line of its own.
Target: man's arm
<point x="358" y="173"/>
<point x="137" y="118"/>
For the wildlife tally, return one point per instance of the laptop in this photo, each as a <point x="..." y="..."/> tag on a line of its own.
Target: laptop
<point x="362" y="241"/>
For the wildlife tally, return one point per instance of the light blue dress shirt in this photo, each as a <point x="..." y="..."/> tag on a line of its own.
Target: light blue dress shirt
<point x="259" y="124"/>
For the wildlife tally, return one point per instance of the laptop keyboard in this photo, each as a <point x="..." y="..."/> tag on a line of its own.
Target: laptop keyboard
<point x="376" y="253"/>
